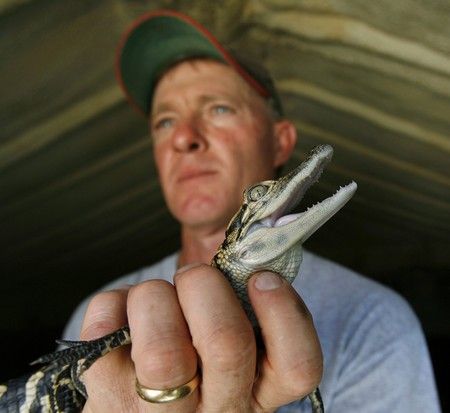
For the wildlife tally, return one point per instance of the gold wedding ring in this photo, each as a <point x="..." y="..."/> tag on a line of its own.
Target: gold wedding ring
<point x="167" y="395"/>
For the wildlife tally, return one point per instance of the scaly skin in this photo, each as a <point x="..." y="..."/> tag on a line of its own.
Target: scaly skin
<point x="259" y="237"/>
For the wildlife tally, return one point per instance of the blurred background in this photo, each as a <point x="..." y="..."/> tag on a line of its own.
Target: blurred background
<point x="79" y="200"/>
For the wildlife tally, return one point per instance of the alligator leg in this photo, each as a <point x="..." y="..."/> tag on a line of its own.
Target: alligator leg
<point x="57" y="387"/>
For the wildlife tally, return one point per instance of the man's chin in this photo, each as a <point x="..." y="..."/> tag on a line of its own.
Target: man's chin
<point x="203" y="214"/>
<point x="202" y="220"/>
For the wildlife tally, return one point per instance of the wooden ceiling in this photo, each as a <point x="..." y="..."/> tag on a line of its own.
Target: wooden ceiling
<point x="79" y="198"/>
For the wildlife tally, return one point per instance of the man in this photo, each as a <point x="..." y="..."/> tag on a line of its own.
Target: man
<point x="217" y="127"/>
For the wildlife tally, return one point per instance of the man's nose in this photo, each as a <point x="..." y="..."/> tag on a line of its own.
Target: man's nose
<point x="188" y="137"/>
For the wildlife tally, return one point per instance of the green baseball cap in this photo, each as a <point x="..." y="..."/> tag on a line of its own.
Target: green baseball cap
<point x="159" y="39"/>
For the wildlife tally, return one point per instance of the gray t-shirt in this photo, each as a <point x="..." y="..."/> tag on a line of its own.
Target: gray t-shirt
<point x="375" y="355"/>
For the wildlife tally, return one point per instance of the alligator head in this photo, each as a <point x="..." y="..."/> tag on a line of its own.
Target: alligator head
<point x="264" y="235"/>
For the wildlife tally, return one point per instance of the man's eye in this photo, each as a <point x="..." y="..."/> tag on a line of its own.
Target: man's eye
<point x="222" y="109"/>
<point x="164" y="123"/>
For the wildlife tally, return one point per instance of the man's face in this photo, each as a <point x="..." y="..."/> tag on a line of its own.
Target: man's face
<point x="213" y="137"/>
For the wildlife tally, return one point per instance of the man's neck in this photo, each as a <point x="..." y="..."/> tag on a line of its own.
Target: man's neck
<point x="199" y="244"/>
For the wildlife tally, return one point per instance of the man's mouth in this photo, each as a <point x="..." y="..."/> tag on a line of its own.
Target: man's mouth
<point x="194" y="174"/>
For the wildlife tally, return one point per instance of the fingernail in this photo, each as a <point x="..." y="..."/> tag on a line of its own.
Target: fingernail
<point x="187" y="267"/>
<point x="267" y="281"/>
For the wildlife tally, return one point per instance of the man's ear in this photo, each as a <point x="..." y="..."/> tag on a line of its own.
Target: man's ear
<point x="285" y="140"/>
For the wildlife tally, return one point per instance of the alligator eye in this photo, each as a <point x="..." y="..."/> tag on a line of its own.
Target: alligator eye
<point x="244" y="254"/>
<point x="257" y="192"/>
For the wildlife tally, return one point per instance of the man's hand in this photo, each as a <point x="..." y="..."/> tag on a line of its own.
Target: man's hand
<point x="199" y="325"/>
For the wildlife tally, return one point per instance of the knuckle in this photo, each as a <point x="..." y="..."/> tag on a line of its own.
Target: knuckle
<point x="302" y="378"/>
<point x="228" y="348"/>
<point x="166" y="361"/>
<point x="195" y="274"/>
<point x="105" y="299"/>
<point x="162" y="361"/>
<point x="193" y="268"/>
<point x="102" y="314"/>
<point x="146" y="287"/>
<point x="97" y="329"/>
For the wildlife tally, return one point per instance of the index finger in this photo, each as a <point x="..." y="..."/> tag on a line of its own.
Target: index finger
<point x="111" y="374"/>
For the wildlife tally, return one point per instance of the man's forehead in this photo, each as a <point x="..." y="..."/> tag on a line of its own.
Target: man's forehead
<point x="195" y="63"/>
<point x="201" y="66"/>
<point x="211" y="69"/>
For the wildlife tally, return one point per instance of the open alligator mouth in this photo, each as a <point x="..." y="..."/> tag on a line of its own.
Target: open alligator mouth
<point x="342" y="192"/>
<point x="275" y="220"/>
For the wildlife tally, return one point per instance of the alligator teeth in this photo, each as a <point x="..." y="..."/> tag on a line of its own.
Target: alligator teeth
<point x="341" y="193"/>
